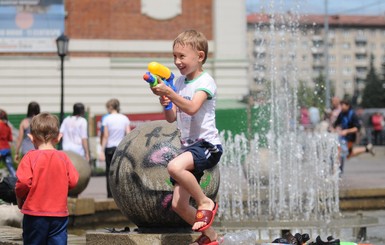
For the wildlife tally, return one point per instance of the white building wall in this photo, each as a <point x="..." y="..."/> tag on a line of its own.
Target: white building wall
<point x="230" y="51"/>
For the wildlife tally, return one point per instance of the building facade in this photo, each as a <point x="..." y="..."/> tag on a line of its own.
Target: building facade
<point x="300" y="45"/>
<point x="111" y="43"/>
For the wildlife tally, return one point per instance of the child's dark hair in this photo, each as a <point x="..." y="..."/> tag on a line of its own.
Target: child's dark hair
<point x="33" y="109"/>
<point x="45" y="127"/>
<point x="345" y="102"/>
<point x="78" y="109"/>
<point x="195" y="39"/>
<point x="3" y="115"/>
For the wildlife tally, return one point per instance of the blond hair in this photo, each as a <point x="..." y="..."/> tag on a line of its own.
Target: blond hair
<point x="195" y="39"/>
<point x="113" y="104"/>
<point x="45" y="127"/>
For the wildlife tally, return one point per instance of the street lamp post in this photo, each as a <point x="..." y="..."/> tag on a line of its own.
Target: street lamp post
<point x="62" y="51"/>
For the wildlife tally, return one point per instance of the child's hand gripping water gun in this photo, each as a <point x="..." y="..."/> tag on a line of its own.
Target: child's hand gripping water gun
<point x="164" y="73"/>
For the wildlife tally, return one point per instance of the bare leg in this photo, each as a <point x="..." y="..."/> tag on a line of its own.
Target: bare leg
<point x="181" y="205"/>
<point x="179" y="169"/>
<point x="358" y="151"/>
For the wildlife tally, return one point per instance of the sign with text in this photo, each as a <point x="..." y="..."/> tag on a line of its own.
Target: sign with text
<point x="30" y="25"/>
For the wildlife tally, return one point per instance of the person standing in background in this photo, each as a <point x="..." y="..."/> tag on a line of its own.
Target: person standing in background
<point x="315" y="116"/>
<point x="334" y="112"/>
<point x="115" y="127"/>
<point x="304" y="118"/>
<point x="377" y="122"/>
<point x="5" y="147"/>
<point x="75" y="132"/>
<point x="23" y="141"/>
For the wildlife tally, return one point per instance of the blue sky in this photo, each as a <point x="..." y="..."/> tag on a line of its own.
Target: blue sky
<point x="346" y="7"/>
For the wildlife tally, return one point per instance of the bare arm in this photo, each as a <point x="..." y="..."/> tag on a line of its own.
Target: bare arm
<point x="104" y="138"/>
<point x="86" y="149"/>
<point x="20" y="139"/>
<point x="349" y="131"/>
<point x="188" y="106"/>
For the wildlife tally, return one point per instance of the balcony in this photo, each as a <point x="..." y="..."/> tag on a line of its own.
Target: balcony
<point x="318" y="63"/>
<point x="317" y="50"/>
<point x="361" y="50"/>
<point x="259" y="50"/>
<point x="317" y="38"/>
<point x="361" y="75"/>
<point x="361" y="64"/>
<point x="361" y="39"/>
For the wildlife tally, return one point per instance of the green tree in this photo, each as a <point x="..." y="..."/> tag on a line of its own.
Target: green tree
<point x="305" y="95"/>
<point x="373" y="95"/>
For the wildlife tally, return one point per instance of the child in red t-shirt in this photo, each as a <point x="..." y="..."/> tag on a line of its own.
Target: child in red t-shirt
<point x="5" y="138"/>
<point x="44" y="177"/>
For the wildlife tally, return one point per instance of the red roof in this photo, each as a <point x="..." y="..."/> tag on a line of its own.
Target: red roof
<point x="334" y="20"/>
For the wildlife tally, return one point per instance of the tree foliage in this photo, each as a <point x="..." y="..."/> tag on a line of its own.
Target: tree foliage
<point x="374" y="93"/>
<point x="316" y="96"/>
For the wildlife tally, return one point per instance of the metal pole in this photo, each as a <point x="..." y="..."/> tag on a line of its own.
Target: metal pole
<point x="326" y="46"/>
<point x="62" y="90"/>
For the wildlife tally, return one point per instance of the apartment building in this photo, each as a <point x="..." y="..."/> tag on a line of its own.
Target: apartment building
<point x="288" y="42"/>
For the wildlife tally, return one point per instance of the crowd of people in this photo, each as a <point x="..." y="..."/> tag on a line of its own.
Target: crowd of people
<point x="350" y="126"/>
<point x="371" y="123"/>
<point x="74" y="131"/>
<point x="44" y="174"/>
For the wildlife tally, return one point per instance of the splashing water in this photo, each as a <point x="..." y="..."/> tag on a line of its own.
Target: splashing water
<point x="294" y="177"/>
<point x="295" y="181"/>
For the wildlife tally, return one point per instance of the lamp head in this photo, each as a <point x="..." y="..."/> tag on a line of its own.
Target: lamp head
<point x="62" y="45"/>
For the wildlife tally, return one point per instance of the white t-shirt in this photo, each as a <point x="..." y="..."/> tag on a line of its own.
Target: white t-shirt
<point x="314" y="115"/>
<point x="202" y="124"/>
<point x="116" y="125"/>
<point x="74" y="129"/>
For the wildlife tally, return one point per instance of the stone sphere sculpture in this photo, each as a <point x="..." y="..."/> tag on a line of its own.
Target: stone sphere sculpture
<point x="140" y="183"/>
<point x="84" y="170"/>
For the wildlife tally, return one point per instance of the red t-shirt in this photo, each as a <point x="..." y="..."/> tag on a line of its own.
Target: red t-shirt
<point x="5" y="135"/>
<point x="377" y="121"/>
<point x="43" y="180"/>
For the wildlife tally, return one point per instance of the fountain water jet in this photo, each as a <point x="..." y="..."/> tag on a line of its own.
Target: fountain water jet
<point x="292" y="182"/>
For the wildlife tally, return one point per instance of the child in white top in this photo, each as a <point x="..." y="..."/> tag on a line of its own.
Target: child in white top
<point x="194" y="110"/>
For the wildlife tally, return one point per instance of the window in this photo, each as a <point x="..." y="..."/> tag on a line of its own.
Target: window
<point x="346" y="58"/>
<point x="346" y="71"/>
<point x="346" y="32"/>
<point x="347" y="83"/>
<point x="346" y="45"/>
<point x="360" y="32"/>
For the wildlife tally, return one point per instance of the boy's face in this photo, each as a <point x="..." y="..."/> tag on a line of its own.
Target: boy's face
<point x="188" y="60"/>
<point x="344" y="107"/>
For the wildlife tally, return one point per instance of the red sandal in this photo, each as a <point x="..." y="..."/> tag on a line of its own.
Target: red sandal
<point x="206" y="216"/>
<point x="205" y="240"/>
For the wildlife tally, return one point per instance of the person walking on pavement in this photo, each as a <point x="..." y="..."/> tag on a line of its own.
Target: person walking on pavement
<point x="5" y="139"/>
<point x="75" y="132"/>
<point x="23" y="141"/>
<point x="116" y="126"/>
